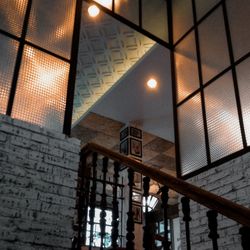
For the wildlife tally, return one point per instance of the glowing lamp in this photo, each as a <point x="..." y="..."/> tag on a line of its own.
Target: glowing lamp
<point x="152" y="83"/>
<point x="93" y="11"/>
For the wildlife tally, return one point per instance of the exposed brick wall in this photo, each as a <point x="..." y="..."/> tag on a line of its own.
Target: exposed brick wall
<point x="38" y="172"/>
<point x="232" y="181"/>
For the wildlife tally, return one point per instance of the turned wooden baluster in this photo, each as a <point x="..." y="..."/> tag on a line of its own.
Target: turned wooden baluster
<point x="164" y="198"/>
<point x="92" y="200"/>
<point x="147" y="236"/>
<point x="245" y="237"/>
<point x="212" y="225"/>
<point x="115" y="215"/>
<point x="130" y="222"/>
<point x="103" y="201"/>
<point x="83" y="200"/>
<point x="80" y="204"/>
<point x="186" y="218"/>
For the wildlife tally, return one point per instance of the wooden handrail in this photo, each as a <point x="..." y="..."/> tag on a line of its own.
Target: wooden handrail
<point x="226" y="207"/>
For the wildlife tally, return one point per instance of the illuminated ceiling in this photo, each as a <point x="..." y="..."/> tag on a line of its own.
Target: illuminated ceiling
<point x="108" y="51"/>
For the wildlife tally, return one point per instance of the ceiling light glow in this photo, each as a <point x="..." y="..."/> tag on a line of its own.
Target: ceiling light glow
<point x="152" y="83"/>
<point x="93" y="11"/>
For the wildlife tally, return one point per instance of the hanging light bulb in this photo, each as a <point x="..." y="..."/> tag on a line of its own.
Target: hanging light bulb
<point x="152" y="83"/>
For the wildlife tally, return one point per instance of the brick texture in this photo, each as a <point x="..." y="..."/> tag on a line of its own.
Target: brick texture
<point x="231" y="181"/>
<point x="38" y="172"/>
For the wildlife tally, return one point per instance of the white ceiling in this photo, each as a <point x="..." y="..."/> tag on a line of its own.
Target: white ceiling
<point x="107" y="50"/>
<point x="131" y="101"/>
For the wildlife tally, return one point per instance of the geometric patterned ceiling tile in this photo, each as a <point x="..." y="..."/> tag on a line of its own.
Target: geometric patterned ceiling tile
<point x="108" y="49"/>
<point x="105" y="132"/>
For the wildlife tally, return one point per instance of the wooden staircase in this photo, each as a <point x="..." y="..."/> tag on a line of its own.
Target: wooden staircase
<point x="88" y="171"/>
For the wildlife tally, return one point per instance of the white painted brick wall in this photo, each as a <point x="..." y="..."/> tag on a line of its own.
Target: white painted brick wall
<point x="230" y="180"/>
<point x="38" y="173"/>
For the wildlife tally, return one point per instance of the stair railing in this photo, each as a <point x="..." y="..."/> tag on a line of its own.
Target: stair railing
<point x="216" y="204"/>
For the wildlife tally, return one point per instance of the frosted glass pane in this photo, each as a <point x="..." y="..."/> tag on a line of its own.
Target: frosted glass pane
<point x="202" y="7"/>
<point x="41" y="90"/>
<point x="12" y="14"/>
<point x="8" y="51"/>
<point x="243" y="75"/>
<point x="186" y="67"/>
<point x="191" y="134"/>
<point x="51" y="25"/>
<point x="239" y="19"/>
<point x="128" y="9"/>
<point x="222" y="118"/>
<point x="182" y="17"/>
<point x="213" y="45"/>
<point x="106" y="3"/>
<point x="154" y="18"/>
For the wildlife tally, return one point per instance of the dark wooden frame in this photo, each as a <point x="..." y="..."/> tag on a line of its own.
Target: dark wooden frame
<point x="136" y="194"/>
<point x="137" y="217"/>
<point x="124" y="145"/>
<point x="135" y="132"/>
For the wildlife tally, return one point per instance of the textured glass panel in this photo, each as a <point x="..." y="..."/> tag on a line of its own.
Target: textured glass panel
<point x="213" y="45"/>
<point x="41" y="90"/>
<point x="243" y="75"/>
<point x="186" y="67"/>
<point x="202" y="7"/>
<point x="154" y="18"/>
<point x="239" y="19"/>
<point x="12" y="14"/>
<point x="182" y="17"/>
<point x="105" y="3"/>
<point x="8" y="51"/>
<point x="222" y="118"/>
<point x="51" y="25"/>
<point x="191" y="134"/>
<point x="128" y="9"/>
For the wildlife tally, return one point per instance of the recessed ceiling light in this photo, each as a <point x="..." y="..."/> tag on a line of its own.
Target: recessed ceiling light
<point x="93" y="11"/>
<point x="152" y="83"/>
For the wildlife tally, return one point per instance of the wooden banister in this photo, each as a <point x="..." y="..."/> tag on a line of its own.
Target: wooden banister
<point x="226" y="207"/>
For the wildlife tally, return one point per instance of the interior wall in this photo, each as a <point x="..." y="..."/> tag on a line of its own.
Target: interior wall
<point x="231" y="180"/>
<point x="38" y="175"/>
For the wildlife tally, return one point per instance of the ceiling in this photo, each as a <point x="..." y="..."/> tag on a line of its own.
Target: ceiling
<point x="132" y="102"/>
<point x="107" y="50"/>
<point x="113" y="66"/>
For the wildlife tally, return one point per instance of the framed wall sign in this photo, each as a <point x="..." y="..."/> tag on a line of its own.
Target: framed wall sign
<point x="137" y="181"/>
<point x="135" y="147"/>
<point x="124" y="134"/>
<point x="124" y="147"/>
<point x="135" y="132"/>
